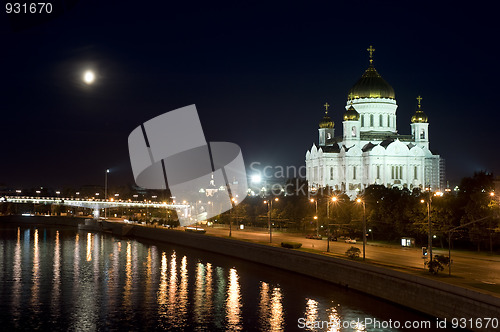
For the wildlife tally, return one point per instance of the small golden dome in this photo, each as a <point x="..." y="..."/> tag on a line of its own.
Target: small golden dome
<point x="351" y="114"/>
<point x="419" y="117"/>
<point x="326" y="122"/>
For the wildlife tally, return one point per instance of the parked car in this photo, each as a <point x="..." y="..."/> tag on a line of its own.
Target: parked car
<point x="332" y="238"/>
<point x="349" y="240"/>
<point x="195" y="230"/>
<point x="313" y="236"/>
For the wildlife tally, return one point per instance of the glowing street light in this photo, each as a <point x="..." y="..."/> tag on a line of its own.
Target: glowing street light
<point x="359" y="200"/>
<point x="334" y="199"/>
<point x="269" y="203"/>
<point x="429" y="202"/>
<point x="234" y="202"/>
<point x="312" y="200"/>
<point x="256" y="178"/>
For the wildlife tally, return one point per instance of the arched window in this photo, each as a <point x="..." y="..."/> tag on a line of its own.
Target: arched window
<point x="353" y="131"/>
<point x="388" y="120"/>
<point x="371" y="120"/>
<point x="380" y="121"/>
<point x="422" y="134"/>
<point x="362" y="120"/>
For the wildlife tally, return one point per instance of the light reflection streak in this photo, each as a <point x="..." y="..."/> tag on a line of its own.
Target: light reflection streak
<point x="276" y="318"/>
<point x="162" y="289"/>
<point x="334" y="319"/>
<point x="311" y="311"/>
<point x="233" y="304"/>
<point x="76" y="259"/>
<point x="199" y="292"/>
<point x="56" y="282"/>
<point x="172" y="288"/>
<point x="183" y="292"/>
<point x="96" y="241"/>
<point x="35" y="270"/>
<point x="271" y="314"/>
<point x="17" y="277"/>
<point x="128" y="276"/>
<point x="148" y="273"/>
<point x="208" y="289"/>
<point x="89" y="247"/>
<point x="264" y="306"/>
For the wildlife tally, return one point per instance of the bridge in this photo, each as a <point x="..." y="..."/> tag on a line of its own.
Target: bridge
<point x="96" y="204"/>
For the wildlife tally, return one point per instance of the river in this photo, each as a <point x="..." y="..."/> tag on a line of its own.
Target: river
<point x="59" y="279"/>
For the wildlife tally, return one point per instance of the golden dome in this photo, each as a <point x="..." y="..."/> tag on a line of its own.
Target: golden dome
<point x="326" y="122"/>
<point x="371" y="85"/>
<point x="351" y="114"/>
<point x="419" y="116"/>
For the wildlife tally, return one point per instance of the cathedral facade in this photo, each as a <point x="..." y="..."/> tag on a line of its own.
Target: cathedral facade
<point x="370" y="149"/>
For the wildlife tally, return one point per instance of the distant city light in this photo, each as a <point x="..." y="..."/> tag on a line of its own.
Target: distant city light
<point x="256" y="178"/>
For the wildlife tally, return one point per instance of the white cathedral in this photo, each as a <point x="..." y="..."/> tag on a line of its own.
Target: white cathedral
<point x="370" y="150"/>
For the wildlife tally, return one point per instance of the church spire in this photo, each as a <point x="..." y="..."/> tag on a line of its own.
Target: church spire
<point x="419" y="116"/>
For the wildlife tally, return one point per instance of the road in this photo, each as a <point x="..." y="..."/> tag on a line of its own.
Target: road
<point x="471" y="269"/>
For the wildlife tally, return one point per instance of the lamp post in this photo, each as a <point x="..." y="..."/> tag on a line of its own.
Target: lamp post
<point x="269" y="203"/>
<point x="429" y="203"/>
<point x="333" y="199"/>
<point x="106" y="190"/>
<point x="359" y="200"/>
<point x="316" y="215"/>
<point x="234" y="201"/>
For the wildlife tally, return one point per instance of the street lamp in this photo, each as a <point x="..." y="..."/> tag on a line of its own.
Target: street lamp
<point x="359" y="200"/>
<point x="429" y="202"/>
<point x="234" y="201"/>
<point x="316" y="215"/>
<point x="333" y="199"/>
<point x="269" y="203"/>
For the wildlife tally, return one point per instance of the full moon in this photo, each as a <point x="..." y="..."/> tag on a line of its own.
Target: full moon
<point x="89" y="77"/>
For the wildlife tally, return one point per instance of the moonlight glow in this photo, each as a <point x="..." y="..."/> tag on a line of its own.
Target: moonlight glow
<point x="89" y="77"/>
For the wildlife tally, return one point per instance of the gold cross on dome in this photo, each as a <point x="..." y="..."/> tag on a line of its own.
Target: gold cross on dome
<point x="371" y="50"/>
<point x="419" y="100"/>
<point x="351" y="96"/>
<point x="326" y="107"/>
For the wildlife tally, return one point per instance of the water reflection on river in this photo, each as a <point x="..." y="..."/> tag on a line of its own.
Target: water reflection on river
<point x="61" y="279"/>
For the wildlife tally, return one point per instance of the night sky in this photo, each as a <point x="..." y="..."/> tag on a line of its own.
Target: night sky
<point x="258" y="74"/>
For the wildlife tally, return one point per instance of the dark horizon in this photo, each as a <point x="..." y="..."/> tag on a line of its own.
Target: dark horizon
<point x="259" y="76"/>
